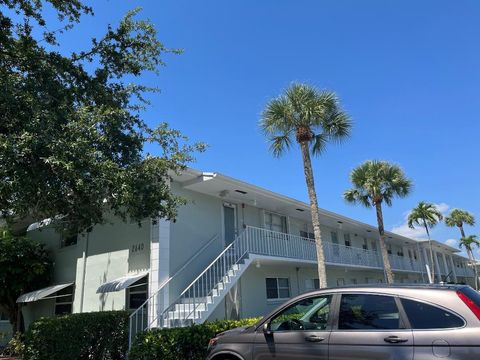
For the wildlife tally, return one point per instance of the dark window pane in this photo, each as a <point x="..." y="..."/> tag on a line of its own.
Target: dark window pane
<point x="63" y="309"/>
<point x="424" y="316"/>
<point x="136" y="300"/>
<point x="271" y="283"/>
<point x="283" y="282"/>
<point x="365" y="312"/>
<point x="272" y="294"/>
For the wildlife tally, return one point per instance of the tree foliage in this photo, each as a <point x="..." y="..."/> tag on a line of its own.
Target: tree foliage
<point x="72" y="135"/>
<point x="24" y="266"/>
<point x="304" y="113"/>
<point x="424" y="214"/>
<point x="458" y="218"/>
<point x="377" y="182"/>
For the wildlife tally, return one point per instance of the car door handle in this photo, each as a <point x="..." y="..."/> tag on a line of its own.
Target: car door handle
<point x="314" y="338"/>
<point x="395" y="339"/>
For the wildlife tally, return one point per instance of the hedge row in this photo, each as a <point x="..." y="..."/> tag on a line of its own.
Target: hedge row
<point x="92" y="336"/>
<point x="181" y="343"/>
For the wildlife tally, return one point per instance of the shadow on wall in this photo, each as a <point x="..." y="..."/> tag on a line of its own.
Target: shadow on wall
<point x="103" y="297"/>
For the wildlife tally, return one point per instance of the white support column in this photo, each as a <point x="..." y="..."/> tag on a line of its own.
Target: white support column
<point x="454" y="272"/>
<point x="427" y="262"/>
<point x="447" y="271"/>
<point x="437" y="266"/>
<point x="159" y="268"/>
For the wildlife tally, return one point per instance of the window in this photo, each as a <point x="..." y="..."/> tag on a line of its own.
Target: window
<point x="64" y="301"/>
<point x="312" y="284"/>
<point x="425" y="316"/>
<point x="277" y="288"/>
<point x="307" y="235"/>
<point x="275" y="222"/>
<point x="137" y="293"/>
<point x="334" y="236"/>
<point x="368" y="312"/>
<point x="389" y="249"/>
<point x="340" y="282"/>
<point x="307" y="314"/>
<point x="346" y="238"/>
<point x="354" y="281"/>
<point x="400" y="253"/>
<point x="365" y="244"/>
<point x="68" y="240"/>
<point x="414" y="254"/>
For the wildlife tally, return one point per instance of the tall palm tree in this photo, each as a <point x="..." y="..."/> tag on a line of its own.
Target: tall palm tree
<point x="468" y="242"/>
<point x="458" y="218"/>
<point x="374" y="183"/>
<point x="426" y="215"/>
<point x="312" y="119"/>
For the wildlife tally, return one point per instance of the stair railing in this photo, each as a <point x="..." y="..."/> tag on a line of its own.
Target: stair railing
<point x="186" y="308"/>
<point x="147" y="314"/>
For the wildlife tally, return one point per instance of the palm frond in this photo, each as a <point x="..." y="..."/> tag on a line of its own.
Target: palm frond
<point x="279" y="144"/>
<point x="458" y="217"/>
<point x="356" y="196"/>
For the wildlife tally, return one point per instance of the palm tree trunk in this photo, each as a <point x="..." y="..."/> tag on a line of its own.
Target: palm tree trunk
<point x="307" y="168"/>
<point x="383" y="246"/>
<point x="462" y="232"/>
<point x="471" y="257"/>
<point x="432" y="264"/>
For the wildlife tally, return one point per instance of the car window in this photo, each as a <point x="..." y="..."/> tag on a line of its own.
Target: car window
<point x="368" y="312"/>
<point x="306" y="314"/>
<point x="425" y="316"/>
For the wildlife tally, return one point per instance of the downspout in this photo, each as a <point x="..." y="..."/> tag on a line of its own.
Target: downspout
<point x="84" y="270"/>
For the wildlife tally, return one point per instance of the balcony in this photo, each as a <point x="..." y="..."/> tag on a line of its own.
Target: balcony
<point x="272" y="243"/>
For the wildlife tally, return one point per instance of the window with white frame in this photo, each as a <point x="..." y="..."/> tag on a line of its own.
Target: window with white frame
<point x="306" y="234"/>
<point x="137" y="293"/>
<point x="365" y="244"/>
<point x="275" y="222"/>
<point x="312" y="284"/>
<point x="277" y="288"/>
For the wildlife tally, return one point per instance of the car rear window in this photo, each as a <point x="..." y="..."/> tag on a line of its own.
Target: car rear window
<point x="471" y="294"/>
<point x="425" y="316"/>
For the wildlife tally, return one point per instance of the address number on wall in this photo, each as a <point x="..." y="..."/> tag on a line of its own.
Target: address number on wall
<point x="138" y="247"/>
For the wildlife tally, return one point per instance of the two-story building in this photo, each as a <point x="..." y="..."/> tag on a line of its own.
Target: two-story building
<point x="235" y="250"/>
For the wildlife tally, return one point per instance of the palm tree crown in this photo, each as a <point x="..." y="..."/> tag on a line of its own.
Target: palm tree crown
<point x="304" y="114"/>
<point x="424" y="214"/>
<point x="375" y="182"/>
<point x="458" y="217"/>
<point x="469" y="242"/>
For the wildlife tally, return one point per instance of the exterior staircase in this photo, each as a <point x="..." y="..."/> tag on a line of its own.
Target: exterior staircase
<point x="199" y="299"/>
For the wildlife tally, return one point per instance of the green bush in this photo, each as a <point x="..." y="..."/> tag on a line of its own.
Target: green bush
<point x="93" y="336"/>
<point x="181" y="343"/>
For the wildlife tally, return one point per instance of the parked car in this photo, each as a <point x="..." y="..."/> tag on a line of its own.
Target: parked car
<point x="363" y="322"/>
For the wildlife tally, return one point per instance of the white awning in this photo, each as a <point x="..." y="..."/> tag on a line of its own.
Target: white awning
<point x="120" y="283"/>
<point x="42" y="293"/>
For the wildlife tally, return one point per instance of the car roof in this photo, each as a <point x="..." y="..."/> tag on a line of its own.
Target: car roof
<point x="389" y="287"/>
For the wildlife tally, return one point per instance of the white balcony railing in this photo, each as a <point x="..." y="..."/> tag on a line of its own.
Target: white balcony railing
<point x="272" y="243"/>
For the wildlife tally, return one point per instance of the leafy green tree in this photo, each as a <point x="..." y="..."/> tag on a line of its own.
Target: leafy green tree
<point x="458" y="218"/>
<point x="426" y="215"/>
<point x="312" y="119"/>
<point x="374" y="183"/>
<point x="24" y="266"/>
<point x="469" y="242"/>
<point x="72" y="135"/>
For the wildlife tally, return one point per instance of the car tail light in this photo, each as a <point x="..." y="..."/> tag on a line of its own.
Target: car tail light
<point x="469" y="302"/>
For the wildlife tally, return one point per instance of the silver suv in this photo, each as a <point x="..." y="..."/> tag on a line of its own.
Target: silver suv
<point x="363" y="322"/>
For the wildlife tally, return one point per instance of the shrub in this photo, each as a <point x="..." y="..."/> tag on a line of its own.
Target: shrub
<point x="181" y="343"/>
<point x="93" y="336"/>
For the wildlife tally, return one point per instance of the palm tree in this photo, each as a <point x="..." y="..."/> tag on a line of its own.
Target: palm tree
<point x="468" y="242"/>
<point x="458" y="218"/>
<point x="374" y="183"/>
<point x="426" y="215"/>
<point x="312" y="119"/>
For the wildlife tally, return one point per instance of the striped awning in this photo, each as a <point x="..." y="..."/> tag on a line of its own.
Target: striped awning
<point x="42" y="293"/>
<point x="120" y="283"/>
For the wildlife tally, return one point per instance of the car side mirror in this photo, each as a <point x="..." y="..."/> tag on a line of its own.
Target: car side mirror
<point x="266" y="329"/>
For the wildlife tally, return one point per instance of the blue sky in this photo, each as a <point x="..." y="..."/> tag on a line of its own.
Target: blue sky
<point x="408" y="73"/>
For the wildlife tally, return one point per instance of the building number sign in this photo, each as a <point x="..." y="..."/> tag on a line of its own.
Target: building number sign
<point x="138" y="247"/>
